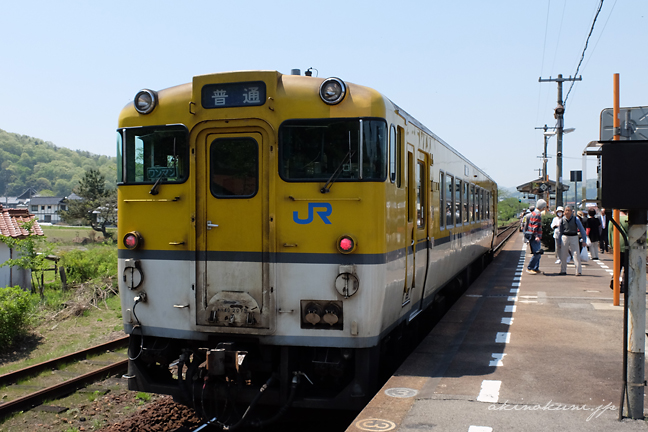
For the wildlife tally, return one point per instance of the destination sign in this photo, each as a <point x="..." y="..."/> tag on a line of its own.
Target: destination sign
<point x="229" y="95"/>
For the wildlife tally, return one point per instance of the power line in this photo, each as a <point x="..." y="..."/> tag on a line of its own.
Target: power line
<point x="600" y="35"/>
<point x="584" y="49"/>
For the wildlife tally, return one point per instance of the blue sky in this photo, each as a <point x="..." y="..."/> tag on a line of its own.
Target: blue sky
<point x="467" y="70"/>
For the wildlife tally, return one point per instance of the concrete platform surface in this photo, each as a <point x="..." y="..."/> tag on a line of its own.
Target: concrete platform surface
<point x="518" y="352"/>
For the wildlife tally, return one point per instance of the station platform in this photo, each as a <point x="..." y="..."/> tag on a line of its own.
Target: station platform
<point x="517" y="352"/>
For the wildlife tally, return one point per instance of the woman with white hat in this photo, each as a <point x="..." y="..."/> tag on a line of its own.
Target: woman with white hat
<point x="555" y="224"/>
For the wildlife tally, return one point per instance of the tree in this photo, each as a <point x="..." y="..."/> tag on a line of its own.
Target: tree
<point x="509" y="208"/>
<point x="98" y="206"/>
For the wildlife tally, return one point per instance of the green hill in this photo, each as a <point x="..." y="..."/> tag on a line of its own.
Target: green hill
<point x="49" y="169"/>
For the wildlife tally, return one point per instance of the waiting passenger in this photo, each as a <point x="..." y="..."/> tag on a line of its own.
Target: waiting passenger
<point x="593" y="229"/>
<point x="570" y="228"/>
<point x="533" y="234"/>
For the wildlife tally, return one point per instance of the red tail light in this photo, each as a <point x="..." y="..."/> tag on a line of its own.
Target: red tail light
<point x="133" y="239"/>
<point x="346" y="244"/>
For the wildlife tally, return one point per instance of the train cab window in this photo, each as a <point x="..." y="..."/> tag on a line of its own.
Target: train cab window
<point x="153" y="154"/>
<point x="457" y="194"/>
<point x="319" y="149"/>
<point x="449" y="200"/>
<point x="420" y="195"/>
<point x="234" y="167"/>
<point x="442" y="206"/>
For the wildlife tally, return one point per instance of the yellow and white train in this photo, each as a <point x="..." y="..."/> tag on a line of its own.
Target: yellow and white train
<point x="278" y="227"/>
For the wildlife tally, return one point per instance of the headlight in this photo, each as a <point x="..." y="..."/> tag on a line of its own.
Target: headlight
<point x="332" y="90"/>
<point x="145" y="101"/>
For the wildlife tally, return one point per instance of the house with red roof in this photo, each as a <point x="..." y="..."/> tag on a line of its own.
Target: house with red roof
<point x="11" y="225"/>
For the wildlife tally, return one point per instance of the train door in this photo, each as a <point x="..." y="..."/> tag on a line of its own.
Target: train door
<point x="410" y="254"/>
<point x="421" y="237"/>
<point x="234" y="260"/>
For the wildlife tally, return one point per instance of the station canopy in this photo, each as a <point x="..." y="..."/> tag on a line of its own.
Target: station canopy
<point x="541" y="187"/>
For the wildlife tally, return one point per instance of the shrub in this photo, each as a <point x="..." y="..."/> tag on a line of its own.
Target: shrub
<point x="15" y="305"/>
<point x="82" y="266"/>
<point x="547" y="232"/>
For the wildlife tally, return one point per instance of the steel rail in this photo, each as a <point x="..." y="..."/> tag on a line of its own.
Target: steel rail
<point x="30" y="371"/>
<point x="63" y="389"/>
<point x="506" y="232"/>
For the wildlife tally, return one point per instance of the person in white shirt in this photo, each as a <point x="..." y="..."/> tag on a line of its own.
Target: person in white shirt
<point x="555" y="224"/>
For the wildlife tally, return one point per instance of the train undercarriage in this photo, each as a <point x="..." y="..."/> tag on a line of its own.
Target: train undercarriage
<point x="234" y="380"/>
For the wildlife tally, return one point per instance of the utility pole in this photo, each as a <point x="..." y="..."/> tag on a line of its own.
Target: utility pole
<point x="559" y="112"/>
<point x="545" y="174"/>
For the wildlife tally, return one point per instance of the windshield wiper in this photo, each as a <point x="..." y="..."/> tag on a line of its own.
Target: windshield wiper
<point x="337" y="172"/>
<point x="156" y="186"/>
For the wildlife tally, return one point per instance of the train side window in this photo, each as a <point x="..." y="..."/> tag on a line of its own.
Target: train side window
<point x="488" y="203"/>
<point x="472" y="203"/>
<point x="477" y="204"/>
<point x="411" y="178"/>
<point x="442" y="189"/>
<point x="393" y="145"/>
<point x="481" y="205"/>
<point x="234" y="167"/>
<point x="449" y="200"/>
<point x="399" y="156"/>
<point x="430" y="195"/>
<point x="458" y="189"/>
<point x="420" y="195"/>
<point x="466" y="205"/>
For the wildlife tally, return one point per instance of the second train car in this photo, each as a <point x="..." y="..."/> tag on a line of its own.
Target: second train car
<point x="276" y="230"/>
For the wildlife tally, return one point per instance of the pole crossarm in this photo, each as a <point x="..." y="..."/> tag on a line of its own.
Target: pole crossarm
<point x="559" y="113"/>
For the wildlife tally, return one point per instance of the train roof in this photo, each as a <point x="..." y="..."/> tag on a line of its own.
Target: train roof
<point x="421" y="126"/>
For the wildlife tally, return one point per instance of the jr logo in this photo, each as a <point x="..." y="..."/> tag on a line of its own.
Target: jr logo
<point x="323" y="214"/>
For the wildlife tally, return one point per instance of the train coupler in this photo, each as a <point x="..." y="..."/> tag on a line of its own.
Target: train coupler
<point x="226" y="360"/>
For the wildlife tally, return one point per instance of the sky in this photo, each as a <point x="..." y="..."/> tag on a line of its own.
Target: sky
<point x="467" y="70"/>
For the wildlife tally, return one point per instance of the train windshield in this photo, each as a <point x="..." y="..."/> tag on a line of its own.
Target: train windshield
<point x="314" y="149"/>
<point x="153" y="154"/>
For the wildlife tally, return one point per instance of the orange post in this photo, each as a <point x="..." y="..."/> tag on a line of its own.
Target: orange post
<point x="616" y="242"/>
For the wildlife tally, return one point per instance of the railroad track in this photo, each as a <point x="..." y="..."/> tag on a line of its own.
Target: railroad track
<point x="503" y="234"/>
<point x="67" y="387"/>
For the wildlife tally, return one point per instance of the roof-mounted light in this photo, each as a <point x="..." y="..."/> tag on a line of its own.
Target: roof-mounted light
<point x="145" y="101"/>
<point x="332" y="90"/>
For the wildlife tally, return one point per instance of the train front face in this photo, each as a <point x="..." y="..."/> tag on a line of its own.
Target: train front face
<point x="251" y="219"/>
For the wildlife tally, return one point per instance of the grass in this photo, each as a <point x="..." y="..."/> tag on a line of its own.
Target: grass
<point x="144" y="397"/>
<point x="68" y="235"/>
<point x="64" y="323"/>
